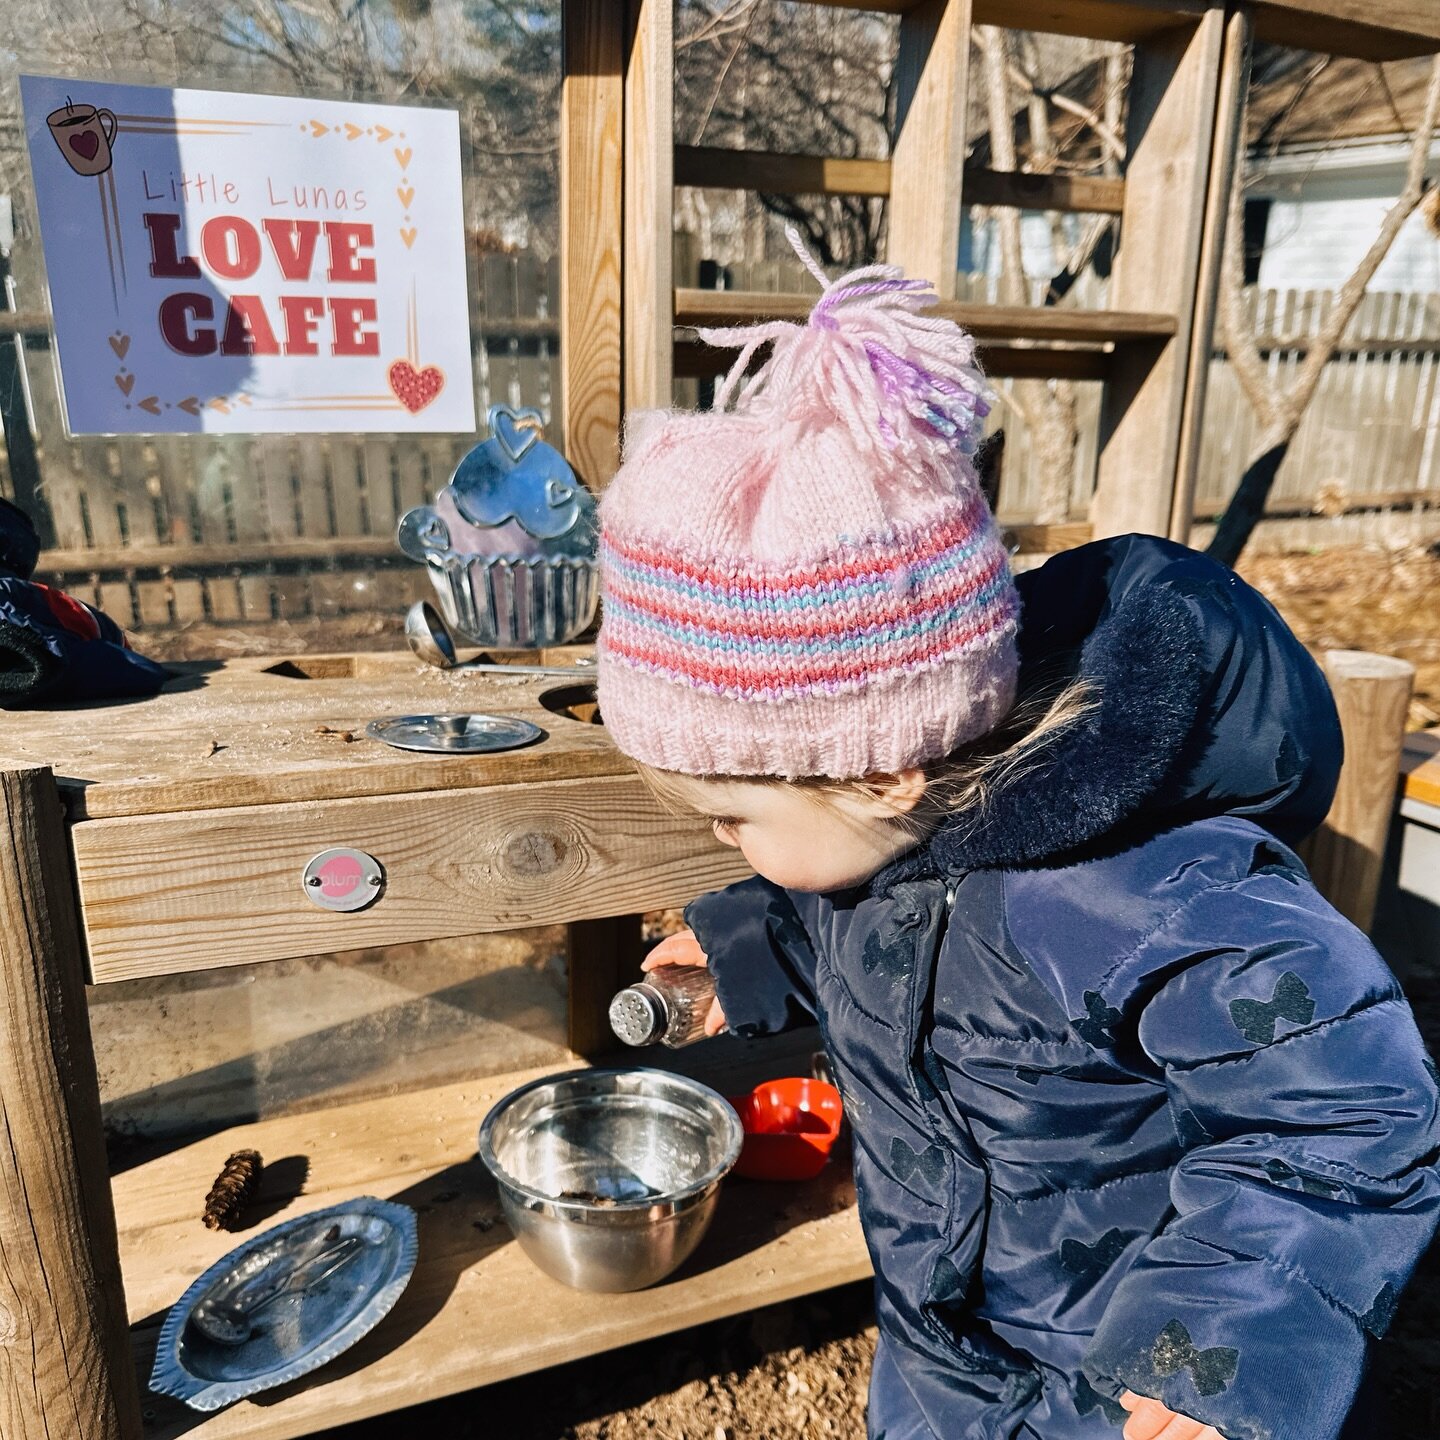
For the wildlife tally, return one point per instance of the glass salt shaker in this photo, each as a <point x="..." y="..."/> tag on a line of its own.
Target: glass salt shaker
<point x="667" y="1007"/>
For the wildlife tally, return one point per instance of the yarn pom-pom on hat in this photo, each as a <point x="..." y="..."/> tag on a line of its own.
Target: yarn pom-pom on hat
<point x="806" y="580"/>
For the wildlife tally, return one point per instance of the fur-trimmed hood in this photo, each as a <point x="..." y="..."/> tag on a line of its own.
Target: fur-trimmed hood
<point x="1206" y="705"/>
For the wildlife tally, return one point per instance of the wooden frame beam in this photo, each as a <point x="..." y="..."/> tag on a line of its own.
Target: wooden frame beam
<point x="1170" y="134"/>
<point x="1094" y="19"/>
<point x="1346" y="855"/>
<point x="65" y="1363"/>
<point x="603" y="956"/>
<point x="649" y="205"/>
<point x="592" y="232"/>
<point x="716" y="168"/>
<point x="1225" y="146"/>
<point x="1361" y="29"/>
<point x="1080" y="194"/>
<point x="932" y="79"/>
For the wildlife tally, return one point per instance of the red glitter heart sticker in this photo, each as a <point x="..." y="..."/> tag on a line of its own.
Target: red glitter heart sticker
<point x="415" y="389"/>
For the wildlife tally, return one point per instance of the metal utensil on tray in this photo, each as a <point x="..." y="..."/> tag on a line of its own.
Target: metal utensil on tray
<point x="229" y="1318"/>
<point x="429" y="637"/>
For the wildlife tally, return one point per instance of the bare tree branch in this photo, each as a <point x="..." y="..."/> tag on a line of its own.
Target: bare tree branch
<point x="1235" y="327"/>
<point x="1280" y="410"/>
<point x="1352" y="292"/>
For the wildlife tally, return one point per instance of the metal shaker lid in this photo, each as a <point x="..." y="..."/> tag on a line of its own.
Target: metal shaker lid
<point x="638" y="1015"/>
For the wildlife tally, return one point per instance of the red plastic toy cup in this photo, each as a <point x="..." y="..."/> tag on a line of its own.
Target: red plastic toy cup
<point x="790" y="1127"/>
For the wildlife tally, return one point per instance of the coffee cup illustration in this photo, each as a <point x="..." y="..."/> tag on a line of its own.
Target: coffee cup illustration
<point x="85" y="136"/>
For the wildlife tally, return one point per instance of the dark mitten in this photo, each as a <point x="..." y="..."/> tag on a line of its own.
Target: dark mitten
<point x="53" y="648"/>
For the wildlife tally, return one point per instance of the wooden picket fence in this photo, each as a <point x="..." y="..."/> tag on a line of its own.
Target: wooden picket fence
<point x="1370" y="438"/>
<point x="167" y="531"/>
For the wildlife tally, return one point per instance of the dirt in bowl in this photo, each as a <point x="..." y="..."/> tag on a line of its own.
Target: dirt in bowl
<point x="593" y="1197"/>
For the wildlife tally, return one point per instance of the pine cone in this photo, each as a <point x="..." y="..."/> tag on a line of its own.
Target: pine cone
<point x="232" y="1189"/>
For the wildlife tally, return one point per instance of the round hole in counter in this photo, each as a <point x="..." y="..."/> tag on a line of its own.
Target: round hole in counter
<point x="574" y="702"/>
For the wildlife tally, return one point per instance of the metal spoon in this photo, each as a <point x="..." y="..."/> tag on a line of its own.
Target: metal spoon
<point x="429" y="637"/>
<point x="231" y="1321"/>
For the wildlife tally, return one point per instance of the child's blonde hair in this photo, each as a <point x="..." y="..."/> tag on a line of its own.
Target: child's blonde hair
<point x="964" y="782"/>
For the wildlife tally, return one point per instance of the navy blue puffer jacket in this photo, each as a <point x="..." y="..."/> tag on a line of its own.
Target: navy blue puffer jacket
<point x="1133" y="1107"/>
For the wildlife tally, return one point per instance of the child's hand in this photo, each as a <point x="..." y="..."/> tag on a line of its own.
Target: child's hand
<point x="1150" y="1420"/>
<point x="684" y="949"/>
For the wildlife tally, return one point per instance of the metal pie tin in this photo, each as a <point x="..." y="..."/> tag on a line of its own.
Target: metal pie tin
<point x="477" y="734"/>
<point x="302" y="1329"/>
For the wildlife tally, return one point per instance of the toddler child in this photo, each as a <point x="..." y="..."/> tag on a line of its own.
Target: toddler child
<point x="1140" y="1123"/>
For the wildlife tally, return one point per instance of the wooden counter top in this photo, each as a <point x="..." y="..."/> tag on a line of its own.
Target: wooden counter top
<point x="262" y="731"/>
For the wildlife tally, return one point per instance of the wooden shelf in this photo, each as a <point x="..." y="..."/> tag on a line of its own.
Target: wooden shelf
<point x="1365" y="29"/>
<point x="985" y="322"/>
<point x="721" y="169"/>
<point x="1090" y="19"/>
<point x="1068" y="344"/>
<point x="694" y="361"/>
<point x="476" y="1310"/>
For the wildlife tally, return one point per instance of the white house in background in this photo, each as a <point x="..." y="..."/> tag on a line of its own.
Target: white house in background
<point x="1316" y="210"/>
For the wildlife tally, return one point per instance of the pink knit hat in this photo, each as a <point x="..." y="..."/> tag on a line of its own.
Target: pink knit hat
<point x="809" y="582"/>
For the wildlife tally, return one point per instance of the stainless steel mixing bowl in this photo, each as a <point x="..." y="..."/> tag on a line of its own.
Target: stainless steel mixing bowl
<point x="609" y="1178"/>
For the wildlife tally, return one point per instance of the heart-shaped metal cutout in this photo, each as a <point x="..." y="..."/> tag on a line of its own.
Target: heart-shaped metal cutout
<point x="514" y="436"/>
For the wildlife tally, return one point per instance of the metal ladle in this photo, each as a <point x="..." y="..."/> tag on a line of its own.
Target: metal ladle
<point x="429" y="637"/>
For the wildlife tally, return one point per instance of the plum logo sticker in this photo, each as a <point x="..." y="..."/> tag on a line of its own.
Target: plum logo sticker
<point x="343" y="879"/>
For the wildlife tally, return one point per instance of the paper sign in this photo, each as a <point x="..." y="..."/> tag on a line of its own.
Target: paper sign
<point x="251" y="263"/>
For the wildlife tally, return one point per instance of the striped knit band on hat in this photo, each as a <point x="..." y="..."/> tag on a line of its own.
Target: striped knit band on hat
<point x="810" y="583"/>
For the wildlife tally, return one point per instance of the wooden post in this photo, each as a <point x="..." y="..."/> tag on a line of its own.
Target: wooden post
<point x="1169" y="139"/>
<point x="1224" y="157"/>
<point x="591" y="233"/>
<point x="932" y="75"/>
<point x="1372" y="694"/>
<point x="604" y="957"/>
<point x="649" y="281"/>
<point x="65" y="1364"/>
